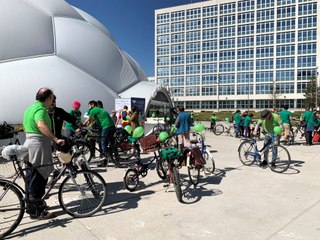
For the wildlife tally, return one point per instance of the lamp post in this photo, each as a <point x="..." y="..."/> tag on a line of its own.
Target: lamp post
<point x="218" y="82"/>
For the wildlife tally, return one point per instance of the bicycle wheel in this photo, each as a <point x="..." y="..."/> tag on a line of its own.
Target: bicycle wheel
<point x="279" y="159"/>
<point x="246" y="152"/>
<point x="210" y="165"/>
<point x="291" y="138"/>
<point x="176" y="183"/>
<point x="7" y="169"/>
<point x="82" y="194"/>
<point x="122" y="154"/>
<point x="162" y="168"/>
<point x="193" y="171"/>
<point x="86" y="150"/>
<point x="231" y="131"/>
<point x="12" y="208"/>
<point x="218" y="129"/>
<point x="131" y="180"/>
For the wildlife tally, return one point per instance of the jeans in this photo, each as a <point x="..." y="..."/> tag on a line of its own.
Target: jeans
<point x="309" y="139"/>
<point x="107" y="138"/>
<point x="274" y="149"/>
<point x="237" y="129"/>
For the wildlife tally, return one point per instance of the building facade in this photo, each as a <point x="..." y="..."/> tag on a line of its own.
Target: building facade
<point x="228" y="54"/>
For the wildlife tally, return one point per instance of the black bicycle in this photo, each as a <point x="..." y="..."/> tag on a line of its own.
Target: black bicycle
<point x="81" y="193"/>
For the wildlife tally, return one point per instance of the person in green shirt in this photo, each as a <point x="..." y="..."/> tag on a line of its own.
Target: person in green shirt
<point x="213" y="120"/>
<point x="103" y="118"/>
<point x="75" y="112"/>
<point x="237" y="122"/>
<point x="286" y="117"/>
<point x="308" y="117"/>
<point x="37" y="126"/>
<point x="268" y="120"/>
<point x="246" y="125"/>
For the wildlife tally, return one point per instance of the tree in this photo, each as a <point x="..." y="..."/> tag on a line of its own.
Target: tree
<point x="312" y="93"/>
<point x="275" y="96"/>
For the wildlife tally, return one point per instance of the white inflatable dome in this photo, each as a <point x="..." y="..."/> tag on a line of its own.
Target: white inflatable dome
<point x="49" y="43"/>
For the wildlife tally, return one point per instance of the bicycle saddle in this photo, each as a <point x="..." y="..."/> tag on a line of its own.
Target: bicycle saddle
<point x="14" y="150"/>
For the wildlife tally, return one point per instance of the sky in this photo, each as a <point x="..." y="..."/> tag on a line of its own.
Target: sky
<point x="131" y="23"/>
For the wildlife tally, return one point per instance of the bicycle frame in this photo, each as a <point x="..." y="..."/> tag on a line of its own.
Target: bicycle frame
<point x="258" y="153"/>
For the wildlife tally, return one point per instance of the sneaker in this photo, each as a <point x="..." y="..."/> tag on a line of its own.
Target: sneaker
<point x="273" y="165"/>
<point x="102" y="164"/>
<point x="263" y="163"/>
<point x="43" y="216"/>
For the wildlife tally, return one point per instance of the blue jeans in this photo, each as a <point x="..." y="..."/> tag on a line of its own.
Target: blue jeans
<point x="107" y="138"/>
<point x="237" y="129"/>
<point x="274" y="150"/>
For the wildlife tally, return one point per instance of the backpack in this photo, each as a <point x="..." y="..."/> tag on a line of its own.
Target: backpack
<point x="124" y="115"/>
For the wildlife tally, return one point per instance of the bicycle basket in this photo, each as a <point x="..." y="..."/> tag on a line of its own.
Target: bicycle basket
<point x="170" y="154"/>
<point x="198" y="158"/>
<point x="6" y="131"/>
<point x="149" y="143"/>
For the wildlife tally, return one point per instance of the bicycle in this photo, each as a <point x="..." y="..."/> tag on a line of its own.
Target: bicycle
<point x="131" y="177"/>
<point x="294" y="131"/>
<point x="222" y="127"/>
<point x="81" y="193"/>
<point x="280" y="158"/>
<point x="6" y="168"/>
<point x="160" y="127"/>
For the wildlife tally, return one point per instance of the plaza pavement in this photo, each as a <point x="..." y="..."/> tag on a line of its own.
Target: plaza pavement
<point x="237" y="202"/>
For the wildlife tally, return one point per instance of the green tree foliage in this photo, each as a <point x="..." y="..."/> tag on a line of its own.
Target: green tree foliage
<point x="311" y="94"/>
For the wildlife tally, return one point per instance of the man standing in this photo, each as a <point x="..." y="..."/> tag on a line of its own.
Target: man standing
<point x="103" y="118"/>
<point x="237" y="122"/>
<point x="75" y="113"/>
<point x="37" y="125"/>
<point x="183" y="123"/>
<point x="286" y="117"/>
<point x="308" y="117"/>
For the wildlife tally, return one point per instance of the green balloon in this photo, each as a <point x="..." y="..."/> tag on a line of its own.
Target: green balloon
<point x="127" y="117"/>
<point x="173" y="128"/>
<point x="227" y="119"/>
<point x="153" y="115"/>
<point x="168" y="118"/>
<point x="128" y="129"/>
<point x="199" y="128"/>
<point x="277" y="130"/>
<point x="138" y="132"/>
<point x="163" y="136"/>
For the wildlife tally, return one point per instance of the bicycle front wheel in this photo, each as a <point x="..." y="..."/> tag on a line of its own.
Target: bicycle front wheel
<point x="279" y="159"/>
<point x="162" y="168"/>
<point x="231" y="131"/>
<point x="82" y="194"/>
<point x="86" y="150"/>
<point x="12" y="208"/>
<point x="176" y="183"/>
<point x="210" y="165"/>
<point x="131" y="180"/>
<point x="218" y="129"/>
<point x="246" y="152"/>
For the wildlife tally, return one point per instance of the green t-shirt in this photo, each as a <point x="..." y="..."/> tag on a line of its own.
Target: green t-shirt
<point x="285" y="116"/>
<point x="35" y="113"/>
<point x="102" y="117"/>
<point x="247" y="121"/>
<point x="77" y="115"/>
<point x="268" y="125"/>
<point x="308" y="116"/>
<point x="213" y="118"/>
<point x="237" y="119"/>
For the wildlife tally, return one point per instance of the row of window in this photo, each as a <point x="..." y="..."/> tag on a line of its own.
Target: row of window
<point x="281" y="37"/>
<point x="229" y="8"/>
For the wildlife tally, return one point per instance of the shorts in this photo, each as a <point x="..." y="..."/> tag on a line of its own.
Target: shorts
<point x="286" y="129"/>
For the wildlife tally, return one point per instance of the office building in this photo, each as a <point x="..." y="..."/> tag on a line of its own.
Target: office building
<point x="229" y="54"/>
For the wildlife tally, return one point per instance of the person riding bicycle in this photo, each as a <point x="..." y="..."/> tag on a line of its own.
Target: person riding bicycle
<point x="108" y="128"/>
<point x="37" y="126"/>
<point x="213" y="120"/>
<point x="268" y="120"/>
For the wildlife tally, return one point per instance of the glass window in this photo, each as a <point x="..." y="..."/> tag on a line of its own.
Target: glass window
<point x="163" y="39"/>
<point x="177" y="70"/>
<point x="162" y="61"/>
<point x="245" y="65"/>
<point x="177" y="27"/>
<point x="265" y="27"/>
<point x="177" y="81"/>
<point x="286" y="24"/>
<point x="307" y="9"/>
<point x="163" y="18"/>
<point x="193" y="13"/>
<point x="226" y="78"/>
<point x="245" y="53"/>
<point x="163" y="29"/>
<point x="245" y="104"/>
<point x="265" y="39"/>
<point x="264" y="77"/>
<point x="286" y="37"/>
<point x="226" y="90"/>
<point x="285" y="50"/>
<point x="193" y="36"/>
<point x="193" y="69"/>
<point x="307" y="35"/>
<point x="285" y="2"/>
<point x="193" y="47"/>
<point x="227" y="66"/>
<point x="209" y="68"/>
<point x="246" y="5"/>
<point x="227" y="32"/>
<point x="285" y="12"/>
<point x="209" y="56"/>
<point x="178" y="37"/>
<point x="245" y="42"/>
<point x="227" y="8"/>
<point x="265" y="88"/>
<point x="209" y="33"/>
<point x="177" y="48"/>
<point x="192" y="104"/>
<point x="227" y="20"/>
<point x="193" y="58"/>
<point x="208" y="104"/>
<point x="177" y="16"/>
<point x="265" y="3"/>
<point x="192" y="80"/>
<point x="245" y="29"/>
<point x="177" y="91"/>
<point x="264" y="52"/>
<point x="209" y="79"/>
<point x="163" y="71"/>
<point x="210" y="11"/>
<point x="209" y="91"/>
<point x="163" y="81"/>
<point x="193" y="24"/>
<point x="285" y="87"/>
<point x="266" y="14"/>
<point x="307" y="22"/>
<point x="193" y="91"/>
<point x="163" y="50"/>
<point x="302" y="87"/>
<point x="246" y="17"/>
<point x="227" y="55"/>
<point x="209" y="45"/>
<point x="210" y="22"/>
<point x="226" y="104"/>
<point x="245" y="77"/>
<point x="306" y="74"/>
<point x="285" y="62"/>
<point x="177" y="59"/>
<point x="227" y="43"/>
<point x="263" y="104"/>
<point x="244" y="89"/>
<point x="264" y="64"/>
<point x="307" y="48"/>
<point x="284" y="76"/>
<point x="307" y="61"/>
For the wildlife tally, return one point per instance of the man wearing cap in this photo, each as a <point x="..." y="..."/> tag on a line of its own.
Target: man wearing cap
<point x="268" y="120"/>
<point x="75" y="112"/>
